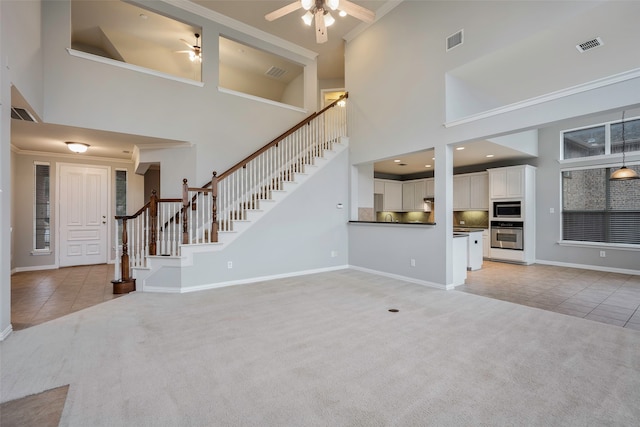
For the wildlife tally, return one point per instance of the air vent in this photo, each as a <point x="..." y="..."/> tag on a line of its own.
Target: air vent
<point x="275" y="72"/>
<point x="455" y="40"/>
<point x="590" y="44"/>
<point x="21" y="114"/>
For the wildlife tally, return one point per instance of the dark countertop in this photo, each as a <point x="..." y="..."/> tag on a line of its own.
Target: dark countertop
<point x="392" y="223"/>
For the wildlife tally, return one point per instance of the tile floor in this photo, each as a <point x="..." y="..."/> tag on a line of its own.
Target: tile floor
<point x="39" y="296"/>
<point x="611" y="298"/>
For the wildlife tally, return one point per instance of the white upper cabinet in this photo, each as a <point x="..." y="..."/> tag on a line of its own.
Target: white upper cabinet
<point x="378" y="186"/>
<point x="507" y="183"/>
<point x="413" y="194"/>
<point x="430" y="188"/>
<point x="471" y="192"/>
<point x="392" y="201"/>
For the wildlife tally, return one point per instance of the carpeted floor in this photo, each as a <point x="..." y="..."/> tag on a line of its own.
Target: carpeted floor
<point x="324" y="350"/>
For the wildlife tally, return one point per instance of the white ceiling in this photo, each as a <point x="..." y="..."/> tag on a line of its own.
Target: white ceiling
<point x="469" y="154"/>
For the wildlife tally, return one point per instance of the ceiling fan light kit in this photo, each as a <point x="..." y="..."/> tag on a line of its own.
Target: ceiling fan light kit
<point x="319" y="10"/>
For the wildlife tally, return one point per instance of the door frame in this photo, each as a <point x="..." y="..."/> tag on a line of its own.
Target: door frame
<point x="110" y="210"/>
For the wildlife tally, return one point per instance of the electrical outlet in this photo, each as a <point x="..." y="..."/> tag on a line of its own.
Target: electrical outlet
<point x="334" y="254"/>
<point x="461" y="222"/>
<point x="603" y="254"/>
<point x="229" y="264"/>
<point x="413" y="262"/>
<point x="552" y="210"/>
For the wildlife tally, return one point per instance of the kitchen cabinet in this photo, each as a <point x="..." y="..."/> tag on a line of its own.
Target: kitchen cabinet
<point x="413" y="194"/>
<point x="430" y="188"/>
<point x="507" y="183"/>
<point x="392" y="201"/>
<point x="471" y="191"/>
<point x="378" y="186"/>
<point x="486" y="244"/>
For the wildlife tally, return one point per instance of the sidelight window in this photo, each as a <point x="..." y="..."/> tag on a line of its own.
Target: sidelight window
<point x="42" y="208"/>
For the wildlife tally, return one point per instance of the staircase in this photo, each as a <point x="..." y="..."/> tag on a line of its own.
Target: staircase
<point x="166" y="235"/>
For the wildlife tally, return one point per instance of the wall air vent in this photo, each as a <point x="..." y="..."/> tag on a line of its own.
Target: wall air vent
<point x="21" y="114"/>
<point x="590" y="44"/>
<point x="455" y="40"/>
<point x="275" y="72"/>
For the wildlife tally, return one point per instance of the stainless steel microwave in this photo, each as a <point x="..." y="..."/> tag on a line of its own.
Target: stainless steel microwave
<point x="512" y="209"/>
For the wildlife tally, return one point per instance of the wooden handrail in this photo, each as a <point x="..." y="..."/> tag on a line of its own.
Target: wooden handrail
<point x="274" y="142"/>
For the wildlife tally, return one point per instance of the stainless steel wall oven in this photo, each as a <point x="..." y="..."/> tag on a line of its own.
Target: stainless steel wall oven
<point x="507" y="235"/>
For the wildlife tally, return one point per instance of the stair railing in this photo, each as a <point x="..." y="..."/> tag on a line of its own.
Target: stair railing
<point x="161" y="226"/>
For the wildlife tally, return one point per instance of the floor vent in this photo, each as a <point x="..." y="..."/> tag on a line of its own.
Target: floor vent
<point x="275" y="72"/>
<point x="455" y="40"/>
<point x="590" y="44"/>
<point x="21" y="114"/>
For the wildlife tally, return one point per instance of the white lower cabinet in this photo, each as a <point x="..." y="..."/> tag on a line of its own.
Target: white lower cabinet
<point x="486" y="244"/>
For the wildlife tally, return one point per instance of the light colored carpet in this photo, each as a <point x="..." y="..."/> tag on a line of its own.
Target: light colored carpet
<point x="324" y="350"/>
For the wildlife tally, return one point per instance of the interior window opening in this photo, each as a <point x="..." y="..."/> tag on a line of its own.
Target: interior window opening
<point x="123" y="32"/>
<point x="248" y="70"/>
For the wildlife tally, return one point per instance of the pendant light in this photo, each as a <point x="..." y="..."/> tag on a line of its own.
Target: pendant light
<point x="624" y="173"/>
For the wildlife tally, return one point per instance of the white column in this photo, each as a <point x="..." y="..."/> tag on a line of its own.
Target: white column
<point x="444" y="211"/>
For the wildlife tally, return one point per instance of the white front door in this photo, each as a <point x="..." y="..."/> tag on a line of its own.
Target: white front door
<point x="83" y="211"/>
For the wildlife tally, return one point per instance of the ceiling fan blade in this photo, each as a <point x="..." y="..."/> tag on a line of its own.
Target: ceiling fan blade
<point x="187" y="43"/>
<point x="321" y="28"/>
<point x="357" y="11"/>
<point x="279" y="13"/>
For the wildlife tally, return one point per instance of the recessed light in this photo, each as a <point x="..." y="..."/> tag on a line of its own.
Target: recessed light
<point x="396" y="161"/>
<point x="459" y="148"/>
<point x="427" y="166"/>
<point x="489" y="155"/>
<point x="433" y="158"/>
<point x="342" y="13"/>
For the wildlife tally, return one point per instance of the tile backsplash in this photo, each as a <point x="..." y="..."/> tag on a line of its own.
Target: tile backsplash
<point x="479" y="219"/>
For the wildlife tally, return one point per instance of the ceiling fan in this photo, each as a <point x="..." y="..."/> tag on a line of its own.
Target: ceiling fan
<point x="320" y="10"/>
<point x="195" y="51"/>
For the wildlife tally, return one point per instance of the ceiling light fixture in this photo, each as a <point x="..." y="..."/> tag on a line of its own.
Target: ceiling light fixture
<point x="624" y="173"/>
<point x="396" y="161"/>
<point x="489" y="155"/>
<point x="77" y="147"/>
<point x="319" y="10"/>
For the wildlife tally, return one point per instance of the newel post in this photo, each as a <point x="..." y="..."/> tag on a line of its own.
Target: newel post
<point x="185" y="217"/>
<point x="214" y="209"/>
<point x="126" y="284"/>
<point x="153" y="222"/>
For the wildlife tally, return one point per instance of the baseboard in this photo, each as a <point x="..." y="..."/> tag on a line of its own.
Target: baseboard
<point x="7" y="331"/>
<point x="34" y="268"/>
<point x="588" y="267"/>
<point x="173" y="290"/>
<point x="405" y="278"/>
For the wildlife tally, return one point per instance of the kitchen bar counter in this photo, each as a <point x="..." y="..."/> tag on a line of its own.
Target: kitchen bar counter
<point x="413" y="224"/>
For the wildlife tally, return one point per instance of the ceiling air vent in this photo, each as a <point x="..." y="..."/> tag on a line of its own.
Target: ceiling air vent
<point x="590" y="44"/>
<point x="275" y="72"/>
<point x="21" y="114"/>
<point x="455" y="40"/>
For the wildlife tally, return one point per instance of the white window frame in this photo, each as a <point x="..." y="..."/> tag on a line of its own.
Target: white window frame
<point x="607" y="156"/>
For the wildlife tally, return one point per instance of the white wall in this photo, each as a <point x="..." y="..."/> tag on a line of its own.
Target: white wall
<point x="299" y="234"/>
<point x="224" y="128"/>
<point x="20" y="64"/>
<point x="398" y="96"/>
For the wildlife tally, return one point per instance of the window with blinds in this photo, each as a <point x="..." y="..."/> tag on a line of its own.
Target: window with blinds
<point x="595" y="209"/>
<point x="42" y="208"/>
